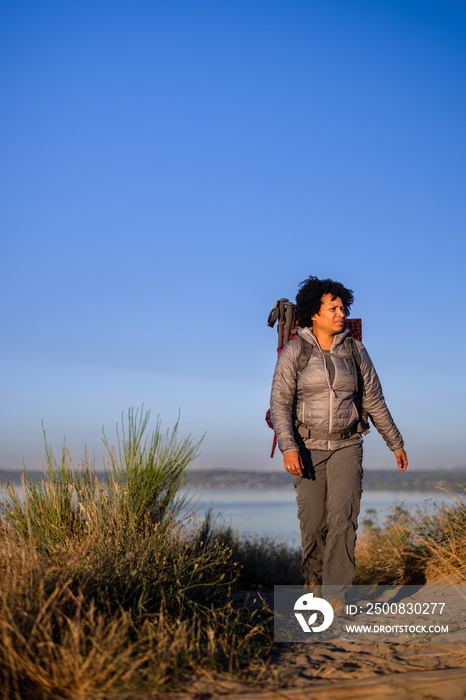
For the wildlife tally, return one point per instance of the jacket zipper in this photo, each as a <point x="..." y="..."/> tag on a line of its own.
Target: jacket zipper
<point x="330" y="398"/>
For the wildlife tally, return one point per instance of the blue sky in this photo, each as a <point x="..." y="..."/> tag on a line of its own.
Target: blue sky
<point x="171" y="168"/>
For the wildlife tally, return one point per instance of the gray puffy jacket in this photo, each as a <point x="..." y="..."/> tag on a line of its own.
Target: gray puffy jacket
<point x="324" y="407"/>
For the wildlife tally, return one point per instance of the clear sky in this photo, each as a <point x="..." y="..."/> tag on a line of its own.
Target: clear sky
<point x="170" y="168"/>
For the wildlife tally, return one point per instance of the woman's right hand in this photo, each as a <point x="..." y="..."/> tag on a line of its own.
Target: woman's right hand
<point x="292" y="463"/>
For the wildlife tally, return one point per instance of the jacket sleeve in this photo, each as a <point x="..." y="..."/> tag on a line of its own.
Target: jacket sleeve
<point x="373" y="403"/>
<point x="283" y="396"/>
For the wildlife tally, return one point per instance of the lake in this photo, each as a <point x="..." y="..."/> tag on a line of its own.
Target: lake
<point x="273" y="511"/>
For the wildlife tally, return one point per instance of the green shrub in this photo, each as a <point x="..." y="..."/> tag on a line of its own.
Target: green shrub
<point x="141" y="484"/>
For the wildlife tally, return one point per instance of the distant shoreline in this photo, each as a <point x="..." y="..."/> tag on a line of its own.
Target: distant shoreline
<point x="374" y="480"/>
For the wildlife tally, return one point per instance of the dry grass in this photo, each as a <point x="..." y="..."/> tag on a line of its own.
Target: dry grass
<point x="105" y="590"/>
<point x="56" y="642"/>
<point x="102" y="587"/>
<point x="414" y="547"/>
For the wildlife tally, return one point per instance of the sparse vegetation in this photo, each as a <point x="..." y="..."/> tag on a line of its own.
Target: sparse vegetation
<point x="102" y="586"/>
<point x="106" y="586"/>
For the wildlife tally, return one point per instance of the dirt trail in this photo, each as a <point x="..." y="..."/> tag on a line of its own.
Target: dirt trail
<point x="346" y="670"/>
<point x="414" y="685"/>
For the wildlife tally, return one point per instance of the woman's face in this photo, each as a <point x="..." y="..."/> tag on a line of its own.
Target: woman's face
<point x="330" y="318"/>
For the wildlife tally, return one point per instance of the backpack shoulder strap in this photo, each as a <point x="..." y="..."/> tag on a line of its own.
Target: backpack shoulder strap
<point x="304" y="355"/>
<point x="353" y="352"/>
<point x="355" y="355"/>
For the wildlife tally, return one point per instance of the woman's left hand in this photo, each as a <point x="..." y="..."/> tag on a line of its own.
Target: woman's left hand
<point x="401" y="460"/>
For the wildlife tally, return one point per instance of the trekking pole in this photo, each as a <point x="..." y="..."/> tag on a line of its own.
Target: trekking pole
<point x="281" y="321"/>
<point x="289" y="315"/>
<point x="284" y="312"/>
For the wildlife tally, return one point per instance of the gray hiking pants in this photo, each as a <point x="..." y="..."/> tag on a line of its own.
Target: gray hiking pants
<point x="328" y="496"/>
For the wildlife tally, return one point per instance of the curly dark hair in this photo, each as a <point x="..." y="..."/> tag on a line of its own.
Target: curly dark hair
<point x="309" y="298"/>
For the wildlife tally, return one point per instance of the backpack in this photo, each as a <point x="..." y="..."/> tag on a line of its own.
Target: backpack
<point x="284" y="311"/>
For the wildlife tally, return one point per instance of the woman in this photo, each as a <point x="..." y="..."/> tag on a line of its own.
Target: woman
<point x="318" y="421"/>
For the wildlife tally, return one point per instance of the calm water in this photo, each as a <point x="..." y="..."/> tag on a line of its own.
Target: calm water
<point x="273" y="511"/>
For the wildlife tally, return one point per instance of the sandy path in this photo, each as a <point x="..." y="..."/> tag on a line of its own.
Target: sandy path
<point x="357" y="670"/>
<point x="346" y="670"/>
<point x="343" y="670"/>
<point x="414" y="685"/>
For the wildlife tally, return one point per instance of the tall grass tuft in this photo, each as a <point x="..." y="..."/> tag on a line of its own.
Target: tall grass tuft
<point x="103" y="587"/>
<point x="147" y="473"/>
<point x="140" y="486"/>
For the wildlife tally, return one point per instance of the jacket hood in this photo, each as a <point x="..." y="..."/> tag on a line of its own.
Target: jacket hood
<point x="307" y="334"/>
